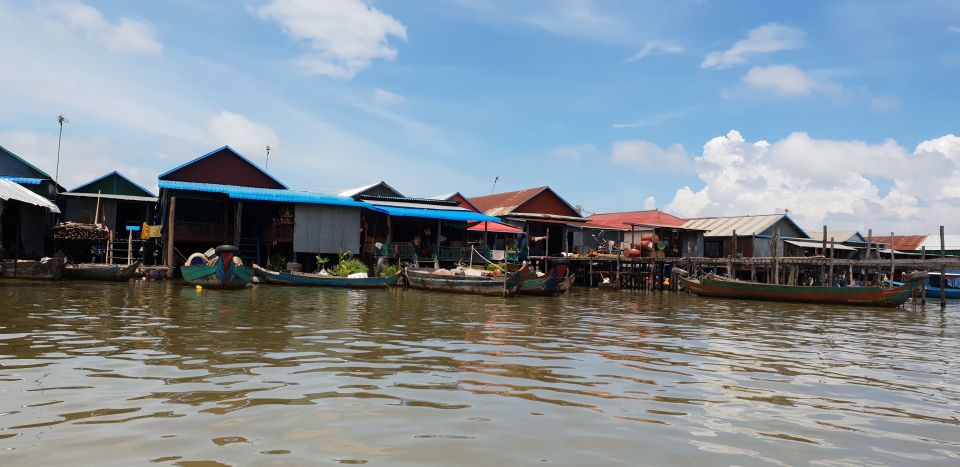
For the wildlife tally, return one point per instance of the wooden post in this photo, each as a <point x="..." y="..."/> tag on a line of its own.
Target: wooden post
<point x="923" y="290"/>
<point x="733" y="251"/>
<point x="850" y="280"/>
<point x="129" y="247"/>
<point x="893" y="266"/>
<point x="776" y="252"/>
<point x="436" y="247"/>
<point x="171" y="259"/>
<point x="236" y="223"/>
<point x="824" y="241"/>
<point x="590" y="267"/>
<point x="943" y="271"/>
<point x="830" y="275"/>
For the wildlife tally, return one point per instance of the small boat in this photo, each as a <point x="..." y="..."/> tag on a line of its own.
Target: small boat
<point x="428" y="279"/>
<point x="951" y="280"/>
<point x="46" y="269"/>
<point x="315" y="280"/>
<point x="567" y="283"/>
<point x="100" y="272"/>
<point x="213" y="274"/>
<point x="722" y="287"/>
<point x="548" y="284"/>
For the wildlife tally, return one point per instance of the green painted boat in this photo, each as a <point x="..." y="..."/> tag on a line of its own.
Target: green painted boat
<point x="100" y="272"/>
<point x="552" y="283"/>
<point x="427" y="279"/>
<point x="314" y="280"/>
<point x="721" y="287"/>
<point x="212" y="276"/>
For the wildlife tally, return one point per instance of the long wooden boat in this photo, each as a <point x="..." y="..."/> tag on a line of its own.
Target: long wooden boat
<point x="46" y="269"/>
<point x="716" y="286"/>
<point x="934" y="282"/>
<point x="425" y="279"/>
<point x="100" y="272"/>
<point x="549" y="284"/>
<point x="213" y="276"/>
<point x="314" y="280"/>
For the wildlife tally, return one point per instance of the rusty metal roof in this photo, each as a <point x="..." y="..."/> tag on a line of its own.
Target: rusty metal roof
<point x="902" y="242"/>
<point x="502" y="204"/>
<point x="620" y="220"/>
<point x="743" y="225"/>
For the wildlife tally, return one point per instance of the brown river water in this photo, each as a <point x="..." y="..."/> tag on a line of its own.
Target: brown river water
<point x="157" y="373"/>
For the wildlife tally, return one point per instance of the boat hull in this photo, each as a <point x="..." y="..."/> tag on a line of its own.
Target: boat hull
<point x="423" y="279"/>
<point x="206" y="276"/>
<point x="553" y="283"/>
<point x="312" y="280"/>
<point x="47" y="269"/>
<point x="100" y="272"/>
<point x="713" y="286"/>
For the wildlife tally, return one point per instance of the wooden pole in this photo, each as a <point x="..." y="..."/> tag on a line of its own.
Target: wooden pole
<point x="776" y="252"/>
<point x="733" y="250"/>
<point x="436" y="247"/>
<point x="943" y="271"/>
<point x="237" y="222"/>
<point x="129" y="247"/>
<point x="851" y="281"/>
<point x="824" y="241"/>
<point x="923" y="290"/>
<point x="171" y="215"/>
<point x="893" y="266"/>
<point x="830" y="275"/>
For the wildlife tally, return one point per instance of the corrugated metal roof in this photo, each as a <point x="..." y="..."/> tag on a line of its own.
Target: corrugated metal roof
<point x="932" y="243"/>
<point x="837" y="236"/>
<point x="109" y="196"/>
<point x="22" y="180"/>
<point x="902" y="242"/>
<point x="414" y="204"/>
<point x="265" y="194"/>
<point x="10" y="190"/>
<point x="624" y="219"/>
<point x="360" y="189"/>
<point x="724" y="226"/>
<point x="818" y="244"/>
<point x="458" y="215"/>
<point x="501" y="204"/>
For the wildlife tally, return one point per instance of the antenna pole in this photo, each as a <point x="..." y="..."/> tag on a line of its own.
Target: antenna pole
<point x="56" y="174"/>
<point x="495" y="180"/>
<point x="267" y="164"/>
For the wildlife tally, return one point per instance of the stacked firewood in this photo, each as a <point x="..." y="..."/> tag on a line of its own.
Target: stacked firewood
<point x="77" y="231"/>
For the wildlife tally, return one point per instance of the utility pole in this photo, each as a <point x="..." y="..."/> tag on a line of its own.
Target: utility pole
<point x="495" y="180"/>
<point x="56" y="174"/>
<point x="266" y="166"/>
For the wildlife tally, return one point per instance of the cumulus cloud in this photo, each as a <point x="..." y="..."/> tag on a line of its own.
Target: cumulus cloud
<point x="574" y="152"/>
<point x="387" y="98"/>
<point x="656" y="47"/>
<point x="786" y="80"/>
<point x="650" y="203"/>
<point x="765" y="39"/>
<point x="345" y="36"/>
<point x="124" y="35"/>
<point x="248" y="137"/>
<point x="650" y="157"/>
<point x="844" y="184"/>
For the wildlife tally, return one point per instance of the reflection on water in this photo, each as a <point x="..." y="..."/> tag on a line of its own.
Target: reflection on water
<point x="156" y="372"/>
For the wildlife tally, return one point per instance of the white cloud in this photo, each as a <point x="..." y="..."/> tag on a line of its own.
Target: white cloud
<point x="656" y="47"/>
<point x="884" y="104"/>
<point x="843" y="184"/>
<point x="247" y="137"/>
<point x="126" y="35"/>
<point x="765" y="39"/>
<point x="650" y="203"/>
<point x="574" y="152"/>
<point x="786" y="80"/>
<point x="649" y="157"/>
<point x="384" y="97"/>
<point x="953" y="29"/>
<point x="345" y="35"/>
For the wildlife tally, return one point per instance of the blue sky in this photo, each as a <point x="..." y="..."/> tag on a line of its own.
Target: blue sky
<point x="842" y="111"/>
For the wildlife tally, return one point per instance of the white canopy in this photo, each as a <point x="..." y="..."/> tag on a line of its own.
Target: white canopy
<point x="14" y="191"/>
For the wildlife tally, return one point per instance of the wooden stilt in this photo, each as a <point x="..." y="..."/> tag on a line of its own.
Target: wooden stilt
<point x="171" y="259"/>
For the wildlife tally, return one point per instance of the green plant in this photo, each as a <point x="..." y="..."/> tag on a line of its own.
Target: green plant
<point x="322" y="263"/>
<point x="388" y="270"/>
<point x="348" y="265"/>
<point x="278" y="262"/>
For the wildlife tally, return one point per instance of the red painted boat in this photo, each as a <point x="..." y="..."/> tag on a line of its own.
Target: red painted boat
<point x="722" y="287"/>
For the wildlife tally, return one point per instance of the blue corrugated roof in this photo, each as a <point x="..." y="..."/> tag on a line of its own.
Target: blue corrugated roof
<point x="444" y="214"/>
<point x="22" y="180"/>
<point x="266" y="194"/>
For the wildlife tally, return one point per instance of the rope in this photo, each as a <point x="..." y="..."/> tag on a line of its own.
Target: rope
<point x="474" y="250"/>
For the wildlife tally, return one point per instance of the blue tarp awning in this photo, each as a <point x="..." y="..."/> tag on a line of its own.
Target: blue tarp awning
<point x="443" y="214"/>
<point x="22" y="180"/>
<point x="265" y="194"/>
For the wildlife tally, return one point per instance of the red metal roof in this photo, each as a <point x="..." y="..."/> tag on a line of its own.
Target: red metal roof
<point x="621" y="220"/>
<point x="501" y="204"/>
<point x="900" y="242"/>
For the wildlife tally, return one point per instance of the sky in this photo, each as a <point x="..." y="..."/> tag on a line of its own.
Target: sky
<point x="841" y="112"/>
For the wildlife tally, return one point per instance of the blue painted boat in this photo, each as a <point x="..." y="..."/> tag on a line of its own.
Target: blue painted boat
<point x="951" y="280"/>
<point x="314" y="280"/>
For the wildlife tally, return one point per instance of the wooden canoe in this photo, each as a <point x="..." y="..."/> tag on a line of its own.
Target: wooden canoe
<point x="424" y="279"/>
<point x="721" y="287"/>
<point x="47" y="269"/>
<point x="100" y="272"/>
<point x="313" y="280"/>
<point x="211" y="276"/>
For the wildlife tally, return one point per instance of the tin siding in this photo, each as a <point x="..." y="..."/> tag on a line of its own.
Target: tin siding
<point x="326" y="229"/>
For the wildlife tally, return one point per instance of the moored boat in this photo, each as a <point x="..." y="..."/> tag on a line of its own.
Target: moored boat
<point x="316" y="280"/>
<point x="428" y="279"/>
<point x="46" y="269"/>
<point x="221" y="272"/>
<point x="100" y="272"/>
<point x="721" y="287"/>
<point x="549" y="284"/>
<point x="949" y="281"/>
